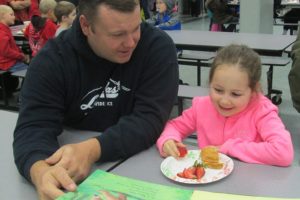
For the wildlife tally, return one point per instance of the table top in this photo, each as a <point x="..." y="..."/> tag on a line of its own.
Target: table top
<point x="17" y="30"/>
<point x="246" y="179"/>
<point x="16" y="187"/>
<point x="264" y="44"/>
<point x="20" y="73"/>
<point x="188" y="91"/>
<point x="290" y="3"/>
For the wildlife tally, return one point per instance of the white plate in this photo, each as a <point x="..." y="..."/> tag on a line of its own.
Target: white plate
<point x="170" y="167"/>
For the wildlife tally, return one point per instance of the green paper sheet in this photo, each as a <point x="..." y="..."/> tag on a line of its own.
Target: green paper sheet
<point x="92" y="189"/>
<point x="100" y="180"/>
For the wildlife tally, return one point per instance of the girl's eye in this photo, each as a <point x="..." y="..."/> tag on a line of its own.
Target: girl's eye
<point x="218" y="90"/>
<point x="236" y="94"/>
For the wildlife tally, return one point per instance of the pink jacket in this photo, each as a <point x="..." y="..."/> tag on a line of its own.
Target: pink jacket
<point x="255" y="135"/>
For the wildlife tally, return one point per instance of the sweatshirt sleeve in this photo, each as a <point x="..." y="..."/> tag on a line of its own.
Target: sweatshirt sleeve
<point x="153" y="100"/>
<point x="41" y="114"/>
<point x="180" y="127"/>
<point x="274" y="145"/>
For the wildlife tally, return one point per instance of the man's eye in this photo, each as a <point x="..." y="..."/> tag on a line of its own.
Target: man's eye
<point x="117" y="34"/>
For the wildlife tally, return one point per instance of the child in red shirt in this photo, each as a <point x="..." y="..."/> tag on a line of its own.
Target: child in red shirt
<point x="42" y="28"/>
<point x="11" y="56"/>
<point x="21" y="9"/>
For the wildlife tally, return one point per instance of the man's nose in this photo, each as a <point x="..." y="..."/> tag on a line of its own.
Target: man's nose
<point x="130" y="41"/>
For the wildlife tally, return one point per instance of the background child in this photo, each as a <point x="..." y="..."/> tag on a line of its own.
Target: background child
<point x="65" y="13"/>
<point x="21" y="9"/>
<point x="221" y="14"/>
<point x="11" y="56"/>
<point x="167" y="17"/>
<point x="41" y="28"/>
<point x="236" y="117"/>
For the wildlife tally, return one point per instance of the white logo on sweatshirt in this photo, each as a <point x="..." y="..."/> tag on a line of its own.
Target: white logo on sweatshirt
<point x="101" y="97"/>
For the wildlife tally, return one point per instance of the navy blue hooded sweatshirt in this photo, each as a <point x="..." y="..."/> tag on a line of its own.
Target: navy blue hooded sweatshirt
<point x="67" y="84"/>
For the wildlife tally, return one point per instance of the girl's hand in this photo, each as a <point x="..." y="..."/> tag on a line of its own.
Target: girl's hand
<point x="170" y="148"/>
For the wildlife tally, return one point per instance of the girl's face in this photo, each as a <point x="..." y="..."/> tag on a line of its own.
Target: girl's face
<point x="161" y="7"/>
<point x="229" y="90"/>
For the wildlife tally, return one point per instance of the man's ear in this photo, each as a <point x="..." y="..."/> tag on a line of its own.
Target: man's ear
<point x="84" y="24"/>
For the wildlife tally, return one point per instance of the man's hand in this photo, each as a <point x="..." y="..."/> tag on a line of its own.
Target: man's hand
<point x="69" y="164"/>
<point x="77" y="159"/>
<point x="49" y="180"/>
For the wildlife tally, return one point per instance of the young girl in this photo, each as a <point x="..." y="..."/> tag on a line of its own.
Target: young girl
<point x="167" y="16"/>
<point x="236" y="117"/>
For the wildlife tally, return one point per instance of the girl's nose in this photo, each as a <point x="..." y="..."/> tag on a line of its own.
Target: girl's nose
<point x="225" y="102"/>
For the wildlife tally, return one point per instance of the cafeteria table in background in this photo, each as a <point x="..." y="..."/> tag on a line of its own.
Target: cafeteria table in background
<point x="264" y="44"/>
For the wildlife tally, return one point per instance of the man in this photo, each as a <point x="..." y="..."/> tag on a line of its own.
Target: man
<point x="107" y="73"/>
<point x="294" y="75"/>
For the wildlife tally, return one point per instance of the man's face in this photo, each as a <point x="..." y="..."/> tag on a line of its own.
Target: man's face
<point x="114" y="35"/>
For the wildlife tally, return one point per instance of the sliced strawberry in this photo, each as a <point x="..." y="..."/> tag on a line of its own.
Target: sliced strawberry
<point x="189" y="173"/>
<point x="200" y="172"/>
<point x="192" y="169"/>
<point x="182" y="151"/>
<point x="180" y="174"/>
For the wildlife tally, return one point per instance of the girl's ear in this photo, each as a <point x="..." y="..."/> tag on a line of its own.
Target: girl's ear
<point x="257" y="88"/>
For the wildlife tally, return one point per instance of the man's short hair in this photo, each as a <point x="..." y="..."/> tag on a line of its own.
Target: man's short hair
<point x="63" y="8"/>
<point x="46" y="5"/>
<point x="88" y="8"/>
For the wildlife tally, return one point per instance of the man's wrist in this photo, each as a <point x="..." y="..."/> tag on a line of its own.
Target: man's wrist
<point x="95" y="150"/>
<point x="36" y="171"/>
